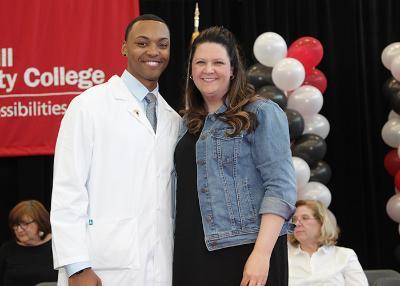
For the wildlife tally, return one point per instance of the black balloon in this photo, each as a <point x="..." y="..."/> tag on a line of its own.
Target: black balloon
<point x="395" y="102"/>
<point x="259" y="75"/>
<point x="397" y="253"/>
<point x="391" y="90"/>
<point x="310" y="147"/>
<point x="296" y="123"/>
<point x="321" y="173"/>
<point x="273" y="93"/>
<point x="391" y="87"/>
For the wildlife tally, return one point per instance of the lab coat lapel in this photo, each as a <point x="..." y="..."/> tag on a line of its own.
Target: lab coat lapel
<point x="164" y="116"/>
<point x="121" y="92"/>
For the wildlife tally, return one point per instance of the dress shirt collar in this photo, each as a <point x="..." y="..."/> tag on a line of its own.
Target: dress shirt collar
<point x="136" y="88"/>
<point x="296" y="250"/>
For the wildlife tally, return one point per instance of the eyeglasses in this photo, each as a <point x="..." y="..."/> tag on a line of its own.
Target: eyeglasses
<point x="302" y="219"/>
<point x="24" y="225"/>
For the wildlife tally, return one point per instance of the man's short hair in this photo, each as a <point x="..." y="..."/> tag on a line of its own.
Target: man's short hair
<point x="144" y="17"/>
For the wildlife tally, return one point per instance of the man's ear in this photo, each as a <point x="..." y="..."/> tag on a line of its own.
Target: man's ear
<point x="124" y="51"/>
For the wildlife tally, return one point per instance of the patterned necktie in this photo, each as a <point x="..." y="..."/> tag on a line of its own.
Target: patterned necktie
<point x="151" y="109"/>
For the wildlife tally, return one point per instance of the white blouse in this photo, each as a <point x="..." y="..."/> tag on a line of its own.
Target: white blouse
<point x="329" y="266"/>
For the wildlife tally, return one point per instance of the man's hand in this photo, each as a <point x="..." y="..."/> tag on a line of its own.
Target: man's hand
<point x="86" y="278"/>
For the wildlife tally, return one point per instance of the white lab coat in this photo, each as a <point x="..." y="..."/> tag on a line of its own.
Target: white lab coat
<point x="111" y="201"/>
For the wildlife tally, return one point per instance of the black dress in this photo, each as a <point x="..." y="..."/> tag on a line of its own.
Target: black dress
<point x="26" y="265"/>
<point x="193" y="263"/>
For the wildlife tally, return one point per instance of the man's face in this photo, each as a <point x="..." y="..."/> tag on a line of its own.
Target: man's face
<point x="147" y="48"/>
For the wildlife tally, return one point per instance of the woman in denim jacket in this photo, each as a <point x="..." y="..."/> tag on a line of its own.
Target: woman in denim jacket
<point x="235" y="190"/>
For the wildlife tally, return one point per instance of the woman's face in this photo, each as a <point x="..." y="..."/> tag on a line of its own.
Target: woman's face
<point x="27" y="231"/>
<point x="211" y="71"/>
<point x="308" y="228"/>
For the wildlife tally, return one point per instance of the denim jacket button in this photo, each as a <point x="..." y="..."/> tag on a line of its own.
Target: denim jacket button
<point x="204" y="190"/>
<point x="203" y="136"/>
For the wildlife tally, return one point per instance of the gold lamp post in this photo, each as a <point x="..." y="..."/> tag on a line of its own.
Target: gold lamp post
<point x="196" y="22"/>
<point x="194" y="36"/>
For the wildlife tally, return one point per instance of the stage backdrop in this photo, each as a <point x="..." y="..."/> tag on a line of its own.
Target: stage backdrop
<point x="51" y="51"/>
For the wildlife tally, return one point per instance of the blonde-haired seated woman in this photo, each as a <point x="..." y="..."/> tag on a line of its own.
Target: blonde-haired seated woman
<point x="314" y="258"/>
<point x="27" y="259"/>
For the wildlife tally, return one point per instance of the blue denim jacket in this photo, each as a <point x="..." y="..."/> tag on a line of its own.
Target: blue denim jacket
<point x="241" y="177"/>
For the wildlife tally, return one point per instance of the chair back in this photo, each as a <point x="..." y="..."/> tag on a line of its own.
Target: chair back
<point x="392" y="281"/>
<point x="373" y="275"/>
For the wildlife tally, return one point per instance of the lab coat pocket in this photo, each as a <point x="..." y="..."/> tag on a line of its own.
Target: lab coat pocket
<point x="114" y="244"/>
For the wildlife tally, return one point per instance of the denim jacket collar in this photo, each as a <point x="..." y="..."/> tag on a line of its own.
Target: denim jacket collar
<point x="220" y="110"/>
<point x="223" y="107"/>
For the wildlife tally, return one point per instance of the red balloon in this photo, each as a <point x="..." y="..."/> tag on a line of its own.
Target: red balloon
<point x="397" y="180"/>
<point x="392" y="162"/>
<point x="308" y="51"/>
<point x="316" y="78"/>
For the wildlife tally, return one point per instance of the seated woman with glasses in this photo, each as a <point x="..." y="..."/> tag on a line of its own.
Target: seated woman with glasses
<point x="314" y="258"/>
<point x="27" y="259"/>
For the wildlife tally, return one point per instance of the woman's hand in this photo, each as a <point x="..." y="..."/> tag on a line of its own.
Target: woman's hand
<point x="256" y="269"/>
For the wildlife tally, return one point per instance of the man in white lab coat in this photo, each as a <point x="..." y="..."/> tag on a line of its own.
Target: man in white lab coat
<point x="111" y="211"/>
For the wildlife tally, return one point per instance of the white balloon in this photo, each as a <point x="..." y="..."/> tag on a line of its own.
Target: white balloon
<point x="307" y="100"/>
<point x="391" y="132"/>
<point x="389" y="53"/>
<point x="288" y="74"/>
<point x="315" y="191"/>
<point x="393" y="208"/>
<point x="316" y="124"/>
<point x="332" y="217"/>
<point x="393" y="114"/>
<point x="269" y="48"/>
<point x="395" y="67"/>
<point x="302" y="171"/>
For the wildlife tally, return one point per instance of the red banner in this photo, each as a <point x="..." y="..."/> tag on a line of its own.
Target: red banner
<point x="51" y="51"/>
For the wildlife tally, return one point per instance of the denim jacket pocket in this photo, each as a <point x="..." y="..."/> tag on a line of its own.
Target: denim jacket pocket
<point x="248" y="213"/>
<point x="226" y="149"/>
